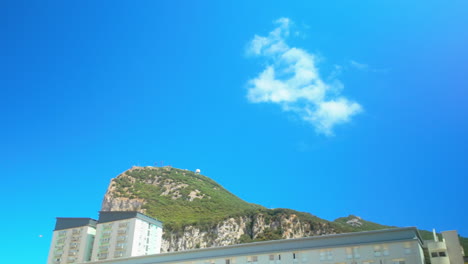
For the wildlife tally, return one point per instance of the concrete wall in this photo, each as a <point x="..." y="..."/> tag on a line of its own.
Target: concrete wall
<point x="454" y="250"/>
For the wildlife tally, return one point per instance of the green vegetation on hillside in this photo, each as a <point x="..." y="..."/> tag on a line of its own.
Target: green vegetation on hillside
<point x="169" y="200"/>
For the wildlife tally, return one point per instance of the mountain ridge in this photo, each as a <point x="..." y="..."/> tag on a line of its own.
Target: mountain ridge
<point x="197" y="212"/>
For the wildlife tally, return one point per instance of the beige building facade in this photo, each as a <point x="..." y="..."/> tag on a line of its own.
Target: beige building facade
<point x="391" y="246"/>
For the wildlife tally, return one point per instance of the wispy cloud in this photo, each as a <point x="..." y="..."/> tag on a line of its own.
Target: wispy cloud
<point x="359" y="66"/>
<point x="366" y="67"/>
<point x="291" y="79"/>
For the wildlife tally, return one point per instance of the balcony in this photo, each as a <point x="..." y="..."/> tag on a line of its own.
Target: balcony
<point x="436" y="246"/>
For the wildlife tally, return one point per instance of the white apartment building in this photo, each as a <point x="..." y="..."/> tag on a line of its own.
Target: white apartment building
<point x="447" y="251"/>
<point x="72" y="240"/>
<point x="389" y="246"/>
<point x="126" y="234"/>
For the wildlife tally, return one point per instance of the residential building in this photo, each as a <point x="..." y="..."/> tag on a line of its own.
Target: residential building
<point x="72" y="240"/>
<point x="126" y="234"/>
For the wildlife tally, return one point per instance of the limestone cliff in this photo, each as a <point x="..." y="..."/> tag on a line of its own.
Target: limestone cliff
<point x="240" y="230"/>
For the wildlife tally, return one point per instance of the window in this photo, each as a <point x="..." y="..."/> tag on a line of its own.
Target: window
<point x="407" y="248"/>
<point x="356" y="252"/>
<point x="352" y="252"/>
<point x="368" y="262"/>
<point x="59" y="246"/>
<point x="252" y="259"/>
<point x="104" y="248"/>
<point x="398" y="261"/>
<point x="271" y="258"/>
<point x="381" y="250"/>
<point x="438" y="254"/>
<point x="326" y="254"/>
<point x="74" y="245"/>
<point x="377" y="251"/>
<point x="385" y="250"/>
<point x="120" y="245"/>
<point x="118" y="254"/>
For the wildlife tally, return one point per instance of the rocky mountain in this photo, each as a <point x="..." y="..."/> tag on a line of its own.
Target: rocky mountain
<point x="197" y="212"/>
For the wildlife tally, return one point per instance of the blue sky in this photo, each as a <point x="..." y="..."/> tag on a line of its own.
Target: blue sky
<point x="331" y="108"/>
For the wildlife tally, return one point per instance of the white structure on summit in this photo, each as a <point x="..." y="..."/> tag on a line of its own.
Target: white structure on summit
<point x="197" y="171"/>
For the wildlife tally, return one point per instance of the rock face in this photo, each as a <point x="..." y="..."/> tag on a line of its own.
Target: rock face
<point x="111" y="202"/>
<point x="356" y="222"/>
<point x="240" y="230"/>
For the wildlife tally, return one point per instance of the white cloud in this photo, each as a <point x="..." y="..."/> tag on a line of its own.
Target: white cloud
<point x="291" y="79"/>
<point x="333" y="112"/>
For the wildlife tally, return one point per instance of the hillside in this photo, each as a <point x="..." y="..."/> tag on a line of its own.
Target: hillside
<point x="176" y="197"/>
<point x="198" y="212"/>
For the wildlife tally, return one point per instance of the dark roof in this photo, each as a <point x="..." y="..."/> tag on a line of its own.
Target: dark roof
<point x="72" y="222"/>
<point x="110" y="216"/>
